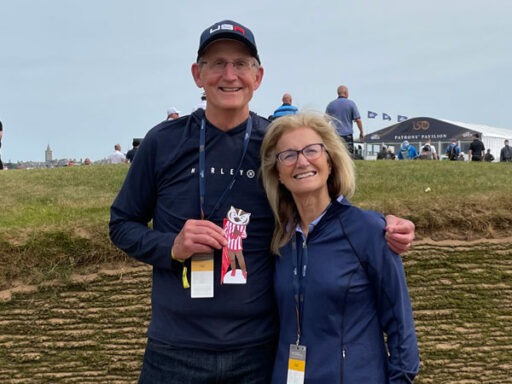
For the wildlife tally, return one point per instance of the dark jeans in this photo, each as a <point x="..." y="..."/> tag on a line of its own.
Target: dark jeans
<point x="165" y="364"/>
<point x="349" y="139"/>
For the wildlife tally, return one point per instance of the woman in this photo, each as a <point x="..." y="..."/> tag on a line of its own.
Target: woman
<point x="338" y="286"/>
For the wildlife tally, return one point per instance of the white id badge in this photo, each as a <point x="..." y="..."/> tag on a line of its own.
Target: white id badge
<point x="201" y="285"/>
<point x="296" y="364"/>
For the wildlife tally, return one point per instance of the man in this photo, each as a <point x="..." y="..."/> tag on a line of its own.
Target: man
<point x="345" y="113"/>
<point x="286" y="108"/>
<point x="476" y="149"/>
<point x="489" y="156"/>
<point x="382" y="154"/>
<point x="453" y="150"/>
<point x="117" y="157"/>
<point x="189" y="173"/>
<point x="130" y="155"/>
<point x="505" y="153"/>
<point x="428" y="151"/>
<point x="173" y="113"/>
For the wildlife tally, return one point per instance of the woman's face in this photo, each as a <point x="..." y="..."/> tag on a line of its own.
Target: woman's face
<point x="307" y="176"/>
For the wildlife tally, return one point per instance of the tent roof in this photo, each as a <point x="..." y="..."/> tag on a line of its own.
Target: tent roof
<point x="486" y="130"/>
<point x="422" y="128"/>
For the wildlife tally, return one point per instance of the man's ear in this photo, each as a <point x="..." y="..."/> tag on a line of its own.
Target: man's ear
<point x="196" y="74"/>
<point x="259" y="77"/>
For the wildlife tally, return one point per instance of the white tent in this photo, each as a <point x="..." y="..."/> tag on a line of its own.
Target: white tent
<point x="492" y="137"/>
<point x="416" y="130"/>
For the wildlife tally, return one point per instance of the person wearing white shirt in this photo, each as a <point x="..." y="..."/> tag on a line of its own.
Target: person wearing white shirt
<point x="117" y="157"/>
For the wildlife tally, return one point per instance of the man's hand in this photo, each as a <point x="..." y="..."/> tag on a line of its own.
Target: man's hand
<point x="197" y="236"/>
<point x="399" y="233"/>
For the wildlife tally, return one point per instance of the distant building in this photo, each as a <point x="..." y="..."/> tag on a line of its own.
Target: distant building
<point x="48" y="154"/>
<point x="418" y="129"/>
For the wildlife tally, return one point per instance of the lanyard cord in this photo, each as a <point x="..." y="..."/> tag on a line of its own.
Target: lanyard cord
<point x="298" y="281"/>
<point x="202" y="166"/>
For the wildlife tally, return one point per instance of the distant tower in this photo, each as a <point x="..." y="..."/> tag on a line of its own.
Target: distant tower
<point x="48" y="154"/>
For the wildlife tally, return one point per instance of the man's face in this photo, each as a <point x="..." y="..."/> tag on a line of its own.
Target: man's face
<point x="229" y="75"/>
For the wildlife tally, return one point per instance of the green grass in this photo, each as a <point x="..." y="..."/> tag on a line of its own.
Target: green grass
<point x="55" y="220"/>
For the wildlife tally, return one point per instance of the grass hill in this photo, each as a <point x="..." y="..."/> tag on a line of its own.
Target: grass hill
<point x="74" y="309"/>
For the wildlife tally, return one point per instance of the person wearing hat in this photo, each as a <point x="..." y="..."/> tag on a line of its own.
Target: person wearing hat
<point x="190" y="172"/>
<point x="173" y="113"/>
<point x="407" y="151"/>
<point x="202" y="103"/>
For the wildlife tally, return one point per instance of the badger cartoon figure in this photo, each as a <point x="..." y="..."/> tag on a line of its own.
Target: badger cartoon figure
<point x="234" y="270"/>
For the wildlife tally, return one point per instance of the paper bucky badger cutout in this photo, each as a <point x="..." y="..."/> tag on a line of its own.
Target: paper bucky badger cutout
<point x="235" y="230"/>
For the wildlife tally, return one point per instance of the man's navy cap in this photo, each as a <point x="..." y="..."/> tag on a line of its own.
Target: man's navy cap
<point x="228" y="29"/>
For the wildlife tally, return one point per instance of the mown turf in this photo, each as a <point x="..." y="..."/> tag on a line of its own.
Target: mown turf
<point x="69" y="327"/>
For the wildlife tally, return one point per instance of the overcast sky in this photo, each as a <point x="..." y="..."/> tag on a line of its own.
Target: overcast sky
<point x="83" y="75"/>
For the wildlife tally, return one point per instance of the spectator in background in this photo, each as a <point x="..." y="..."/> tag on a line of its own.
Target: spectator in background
<point x="173" y="113"/>
<point x="428" y="151"/>
<point x="506" y="153"/>
<point x="202" y="103"/>
<point x="476" y="149"/>
<point x="407" y="151"/>
<point x="358" y="154"/>
<point x="382" y="153"/>
<point x="488" y="156"/>
<point x="117" y="157"/>
<point x="1" y="135"/>
<point x="453" y="150"/>
<point x="345" y="112"/>
<point x="130" y="155"/>
<point x="286" y="109"/>
<point x="390" y="155"/>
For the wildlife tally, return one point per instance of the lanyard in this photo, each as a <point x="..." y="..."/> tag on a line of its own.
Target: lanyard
<point x="202" y="166"/>
<point x="299" y="276"/>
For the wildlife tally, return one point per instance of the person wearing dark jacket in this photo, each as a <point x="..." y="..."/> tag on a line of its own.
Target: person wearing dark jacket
<point x="345" y="313"/>
<point x="130" y="155"/>
<point x="506" y="153"/>
<point x="187" y="175"/>
<point x="489" y="156"/>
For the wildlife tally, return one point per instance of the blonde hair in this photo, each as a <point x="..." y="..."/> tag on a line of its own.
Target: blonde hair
<point x="341" y="181"/>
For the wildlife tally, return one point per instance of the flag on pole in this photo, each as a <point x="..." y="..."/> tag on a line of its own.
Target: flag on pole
<point x="385" y="116"/>
<point x="372" y="115"/>
<point x="401" y="118"/>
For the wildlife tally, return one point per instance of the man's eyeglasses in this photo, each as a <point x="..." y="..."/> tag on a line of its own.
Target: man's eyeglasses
<point x="240" y="66"/>
<point x="310" y="152"/>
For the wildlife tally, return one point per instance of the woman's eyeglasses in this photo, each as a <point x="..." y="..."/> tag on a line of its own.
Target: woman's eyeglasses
<point x="310" y="152"/>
